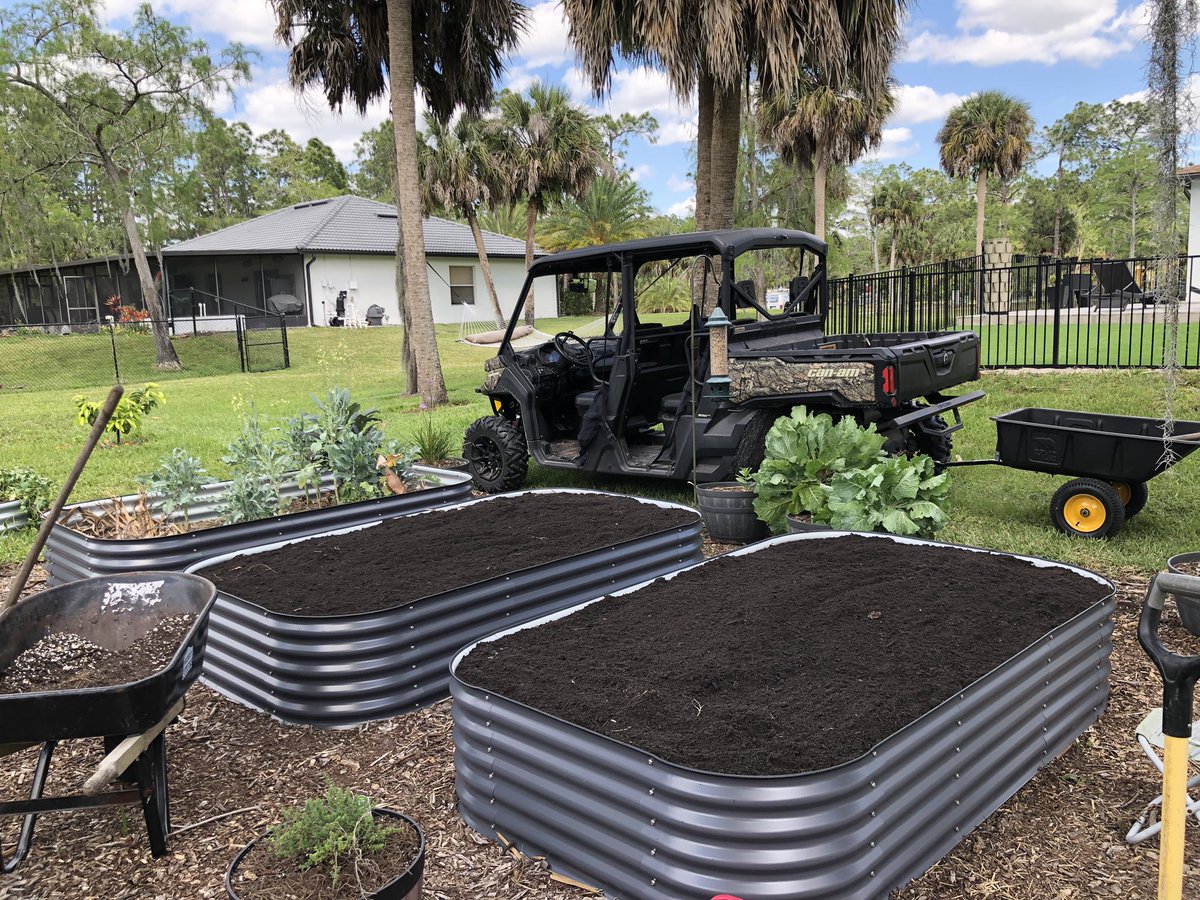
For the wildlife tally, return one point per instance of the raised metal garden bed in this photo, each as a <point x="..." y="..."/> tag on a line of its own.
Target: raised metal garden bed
<point x="71" y="555"/>
<point x="616" y="817"/>
<point x="342" y="670"/>
<point x="12" y="517"/>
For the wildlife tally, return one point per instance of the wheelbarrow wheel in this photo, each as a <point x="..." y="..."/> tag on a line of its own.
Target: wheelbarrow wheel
<point x="1087" y="507"/>
<point x="1133" y="494"/>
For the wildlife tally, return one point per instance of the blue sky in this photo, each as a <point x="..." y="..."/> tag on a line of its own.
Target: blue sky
<point x="1051" y="53"/>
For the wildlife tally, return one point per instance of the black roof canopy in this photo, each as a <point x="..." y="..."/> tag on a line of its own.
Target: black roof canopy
<point x="731" y="242"/>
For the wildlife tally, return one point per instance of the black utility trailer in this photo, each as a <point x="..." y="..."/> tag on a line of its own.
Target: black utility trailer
<point x="1111" y="458"/>
<point x="112" y="611"/>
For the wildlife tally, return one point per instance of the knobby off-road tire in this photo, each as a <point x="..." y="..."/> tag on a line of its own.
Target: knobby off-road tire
<point x="496" y="454"/>
<point x="1087" y="507"/>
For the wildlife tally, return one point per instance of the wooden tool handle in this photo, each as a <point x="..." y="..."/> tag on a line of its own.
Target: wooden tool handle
<point x="106" y="411"/>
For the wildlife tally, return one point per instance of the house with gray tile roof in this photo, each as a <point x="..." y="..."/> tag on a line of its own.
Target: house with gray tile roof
<point x="333" y="262"/>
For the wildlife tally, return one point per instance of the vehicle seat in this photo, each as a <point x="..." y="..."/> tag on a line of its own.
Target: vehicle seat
<point x="668" y="407"/>
<point x="584" y="401"/>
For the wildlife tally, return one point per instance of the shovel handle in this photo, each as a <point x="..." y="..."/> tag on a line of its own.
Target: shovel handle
<point x="1179" y="673"/>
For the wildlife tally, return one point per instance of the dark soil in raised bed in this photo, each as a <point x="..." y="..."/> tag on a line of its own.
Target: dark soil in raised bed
<point x="63" y="661"/>
<point x="796" y="658"/>
<point x="262" y="875"/>
<point x="409" y="558"/>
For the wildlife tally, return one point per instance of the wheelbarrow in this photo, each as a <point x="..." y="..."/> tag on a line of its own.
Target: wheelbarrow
<point x="1110" y="457"/>
<point x="113" y="612"/>
<point x="1179" y="674"/>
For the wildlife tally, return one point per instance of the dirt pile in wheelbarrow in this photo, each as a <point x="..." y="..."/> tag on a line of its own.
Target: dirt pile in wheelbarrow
<point x="793" y="659"/>
<point x="63" y="661"/>
<point x="413" y="557"/>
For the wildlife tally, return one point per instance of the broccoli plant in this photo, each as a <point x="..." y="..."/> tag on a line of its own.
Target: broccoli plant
<point x="178" y="482"/>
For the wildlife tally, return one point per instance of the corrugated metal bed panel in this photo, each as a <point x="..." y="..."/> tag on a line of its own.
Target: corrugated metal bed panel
<point x="616" y="817"/>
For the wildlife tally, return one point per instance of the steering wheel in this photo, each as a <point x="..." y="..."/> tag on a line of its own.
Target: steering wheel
<point x="574" y="349"/>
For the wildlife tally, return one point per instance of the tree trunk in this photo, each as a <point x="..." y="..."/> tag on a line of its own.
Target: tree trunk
<point x="1133" y="221"/>
<point x="820" y="169"/>
<point x="164" y="354"/>
<point x="408" y="362"/>
<point x="473" y="221"/>
<point x="1058" y="211"/>
<point x="723" y="152"/>
<point x="704" y="96"/>
<point x="531" y="214"/>
<point x="418" y="313"/>
<point x="892" y="257"/>
<point x="980" y="198"/>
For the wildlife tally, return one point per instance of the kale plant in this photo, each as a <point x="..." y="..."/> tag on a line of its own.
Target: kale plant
<point x="178" y="481"/>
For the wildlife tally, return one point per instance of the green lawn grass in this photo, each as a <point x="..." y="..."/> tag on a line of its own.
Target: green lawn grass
<point x="989" y="505"/>
<point x="1094" y="344"/>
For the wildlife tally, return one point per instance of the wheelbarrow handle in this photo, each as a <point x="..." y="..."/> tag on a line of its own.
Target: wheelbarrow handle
<point x="1179" y="673"/>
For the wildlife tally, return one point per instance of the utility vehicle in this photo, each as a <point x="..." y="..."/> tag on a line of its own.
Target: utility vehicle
<point x="649" y="396"/>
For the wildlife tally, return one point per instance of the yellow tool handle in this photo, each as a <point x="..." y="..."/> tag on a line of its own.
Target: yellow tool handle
<point x="1174" y="818"/>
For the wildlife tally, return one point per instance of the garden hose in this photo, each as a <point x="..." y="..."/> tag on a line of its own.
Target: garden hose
<point x="1179" y="674"/>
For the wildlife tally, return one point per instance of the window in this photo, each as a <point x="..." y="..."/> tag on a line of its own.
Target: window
<point x="462" y="285"/>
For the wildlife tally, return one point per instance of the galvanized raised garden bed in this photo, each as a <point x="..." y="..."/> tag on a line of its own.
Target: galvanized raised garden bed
<point x="71" y="555"/>
<point x="12" y="517"/>
<point x="614" y="816"/>
<point x="339" y="671"/>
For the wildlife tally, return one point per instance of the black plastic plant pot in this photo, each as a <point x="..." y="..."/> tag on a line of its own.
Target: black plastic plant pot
<point x="1189" y="607"/>
<point x="114" y="612"/>
<point x="630" y="823"/>
<point x="803" y="524"/>
<point x="338" y="671"/>
<point x="71" y="554"/>
<point x="728" y="511"/>
<point x="407" y="885"/>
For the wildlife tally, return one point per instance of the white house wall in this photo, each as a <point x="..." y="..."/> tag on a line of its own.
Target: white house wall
<point x="371" y="279"/>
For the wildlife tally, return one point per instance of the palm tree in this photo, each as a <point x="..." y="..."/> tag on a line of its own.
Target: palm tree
<point x="553" y="150"/>
<point x="358" y="50"/>
<point x="613" y="209"/>
<point x="896" y="204"/>
<point x="458" y="172"/>
<point x="823" y="124"/>
<point x="710" y="48"/>
<point x="987" y="134"/>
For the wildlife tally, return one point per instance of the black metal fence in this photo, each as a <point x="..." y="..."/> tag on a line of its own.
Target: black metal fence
<point x="64" y="355"/>
<point x="1035" y="312"/>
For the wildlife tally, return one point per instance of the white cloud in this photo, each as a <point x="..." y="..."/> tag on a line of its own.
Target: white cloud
<point x="637" y="91"/>
<point x="545" y="41"/>
<point x="921" y="103"/>
<point x="677" y="184"/>
<point x="683" y="208"/>
<point x="250" y="22"/>
<point x="897" y="143"/>
<point x="995" y="32"/>
<point x="641" y="172"/>
<point x="276" y="104"/>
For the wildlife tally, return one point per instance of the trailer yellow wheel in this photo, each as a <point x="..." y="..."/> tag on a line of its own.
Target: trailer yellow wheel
<point x="1087" y="507"/>
<point x="1133" y="494"/>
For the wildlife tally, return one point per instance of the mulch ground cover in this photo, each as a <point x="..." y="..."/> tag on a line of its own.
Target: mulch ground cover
<point x="64" y="661"/>
<point x="233" y="772"/>
<point x="410" y="558"/>
<point x="766" y="665"/>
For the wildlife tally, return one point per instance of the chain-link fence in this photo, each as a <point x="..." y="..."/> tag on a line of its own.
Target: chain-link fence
<point x="70" y="355"/>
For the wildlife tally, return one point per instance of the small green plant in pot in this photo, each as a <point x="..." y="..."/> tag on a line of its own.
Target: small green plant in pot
<point x="727" y="508"/>
<point x="437" y="445"/>
<point x="339" y="845"/>
<point x="803" y="454"/>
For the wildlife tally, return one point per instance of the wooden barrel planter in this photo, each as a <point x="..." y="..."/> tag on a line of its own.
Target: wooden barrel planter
<point x="71" y="555"/>
<point x="343" y="668"/>
<point x="761" y="808"/>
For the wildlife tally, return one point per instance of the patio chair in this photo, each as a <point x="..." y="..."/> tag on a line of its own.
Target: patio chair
<point x="1149" y="737"/>
<point x="1117" y="286"/>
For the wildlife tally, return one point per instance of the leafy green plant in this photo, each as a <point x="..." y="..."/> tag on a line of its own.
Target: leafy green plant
<point x="248" y="499"/>
<point x="255" y="454"/>
<point x="435" y="443"/>
<point x="330" y="831"/>
<point x="127" y="416"/>
<point x="897" y="494"/>
<point x="341" y="438"/>
<point x="178" y="481"/>
<point x="35" y="491"/>
<point x="803" y="454"/>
